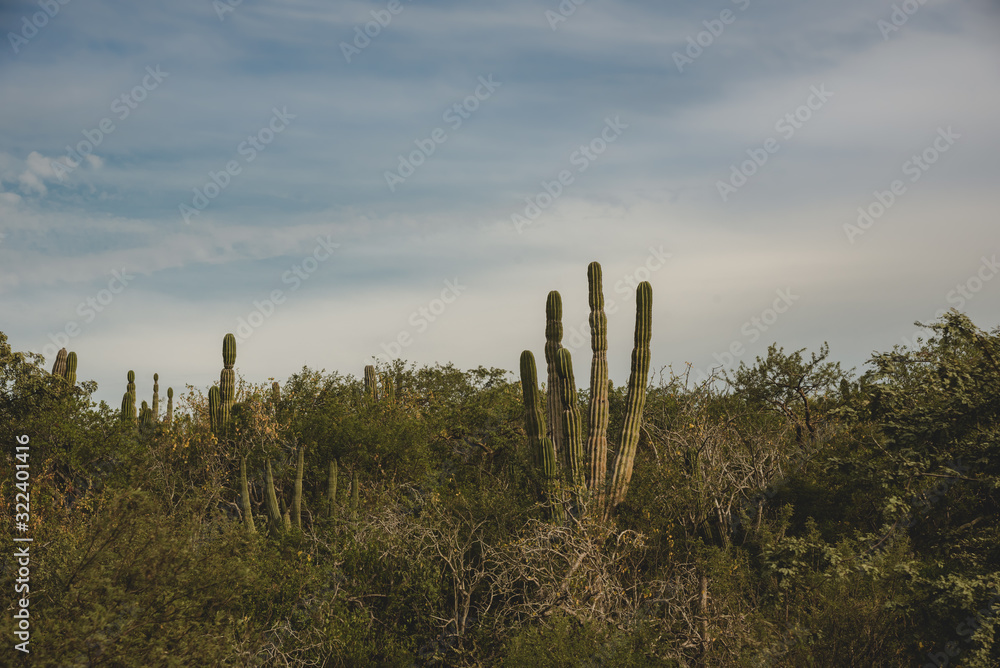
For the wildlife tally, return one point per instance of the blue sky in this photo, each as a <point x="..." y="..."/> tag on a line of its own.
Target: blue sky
<point x="170" y="172"/>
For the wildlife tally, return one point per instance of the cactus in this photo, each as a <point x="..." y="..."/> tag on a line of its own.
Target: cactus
<point x="636" y="398"/>
<point x="388" y="389"/>
<point x="572" y="436"/>
<point x="146" y="416"/>
<point x="370" y="390"/>
<point x="354" y="494"/>
<point x="286" y="517"/>
<point x="170" y="405"/>
<point x="245" y="497"/>
<point x="542" y="451"/>
<point x="59" y="368"/>
<point x="597" y="444"/>
<point x="70" y="374"/>
<point x="553" y="342"/>
<point x="276" y="393"/>
<point x="564" y="416"/>
<point x="156" y="396"/>
<point x="215" y="409"/>
<point x="272" y="500"/>
<point x="227" y="379"/>
<point x="128" y="400"/>
<point x="331" y="490"/>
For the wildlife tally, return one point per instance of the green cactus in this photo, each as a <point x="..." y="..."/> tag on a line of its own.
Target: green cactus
<point x="636" y="397"/>
<point x="146" y="416"/>
<point x="276" y="393"/>
<point x="70" y="374"/>
<point x="388" y="389"/>
<point x="553" y="342"/>
<point x="354" y="494"/>
<point x="589" y="473"/>
<point x="572" y="429"/>
<point x="128" y="401"/>
<point x="156" y="397"/>
<point x="229" y="351"/>
<point x="245" y="497"/>
<point x="215" y="409"/>
<point x="370" y="390"/>
<point x="170" y="405"/>
<point x="597" y="444"/>
<point x="286" y="517"/>
<point x="227" y="379"/>
<point x="59" y="368"/>
<point x="542" y="451"/>
<point x="331" y="490"/>
<point x="273" y="510"/>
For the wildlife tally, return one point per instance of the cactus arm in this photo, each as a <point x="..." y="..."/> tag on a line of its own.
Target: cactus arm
<point x="297" y="490"/>
<point x="553" y="342"/>
<point x="272" y="500"/>
<point x="597" y="443"/>
<point x="245" y="498"/>
<point x="572" y="429"/>
<point x="70" y="374"/>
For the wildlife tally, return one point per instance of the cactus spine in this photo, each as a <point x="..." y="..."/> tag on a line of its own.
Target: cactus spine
<point x="59" y="368"/>
<point x="156" y="396"/>
<point x="245" y="498"/>
<point x="636" y="398"/>
<point x="597" y="444"/>
<point x="542" y="451"/>
<point x="227" y="379"/>
<point x="128" y="401"/>
<point x="170" y="405"/>
<point x="553" y="342"/>
<point x="70" y="374"/>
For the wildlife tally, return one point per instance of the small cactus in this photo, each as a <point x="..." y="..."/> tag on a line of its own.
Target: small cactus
<point x="146" y="415"/>
<point x="371" y="393"/>
<point x="245" y="498"/>
<point x="128" y="400"/>
<point x="156" y="397"/>
<point x="170" y="405"/>
<point x="59" y="368"/>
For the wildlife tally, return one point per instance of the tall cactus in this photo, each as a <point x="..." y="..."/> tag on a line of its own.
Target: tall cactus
<point x="245" y="498"/>
<point x="572" y="429"/>
<point x="227" y="379"/>
<point x="370" y="389"/>
<point x="636" y="398"/>
<point x="563" y="412"/>
<point x="355" y="496"/>
<point x="59" y="368"/>
<point x="597" y="443"/>
<point x="170" y="405"/>
<point x="146" y="416"/>
<point x="331" y="490"/>
<point x="273" y="510"/>
<point x="297" y="490"/>
<point x="543" y="453"/>
<point x="215" y="409"/>
<point x="553" y="342"/>
<point x="156" y="397"/>
<point x="70" y="374"/>
<point x="128" y="401"/>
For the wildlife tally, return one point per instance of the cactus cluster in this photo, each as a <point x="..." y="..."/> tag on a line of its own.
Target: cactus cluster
<point x="586" y="471"/>
<point x="65" y="366"/>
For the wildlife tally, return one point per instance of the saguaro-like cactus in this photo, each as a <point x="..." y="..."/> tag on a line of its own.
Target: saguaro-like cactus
<point x="227" y="379"/>
<point x="215" y="409"/>
<point x="370" y="389"/>
<point x="297" y="490"/>
<point x="245" y="498"/>
<point x="543" y="452"/>
<point x="170" y="405"/>
<point x="636" y="398"/>
<point x="156" y="396"/>
<point x="276" y="392"/>
<point x="331" y="490"/>
<point x="59" y="367"/>
<point x="128" y="401"/>
<point x="564" y="414"/>
<point x="553" y="343"/>
<point x="597" y="443"/>
<point x="146" y="415"/>
<point x="273" y="510"/>
<point x="70" y="374"/>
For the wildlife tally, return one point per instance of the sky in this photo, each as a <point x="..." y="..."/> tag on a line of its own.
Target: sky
<point x="337" y="182"/>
